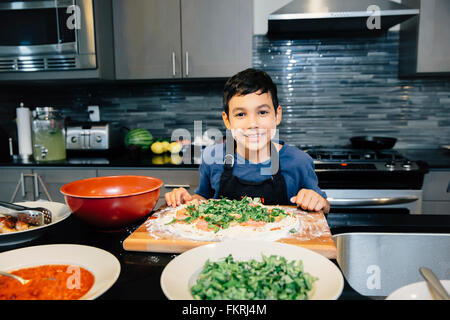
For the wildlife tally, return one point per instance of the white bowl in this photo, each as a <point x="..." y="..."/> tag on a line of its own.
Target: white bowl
<point x="59" y="211"/>
<point x="180" y="274"/>
<point x="417" y="291"/>
<point x="103" y="265"/>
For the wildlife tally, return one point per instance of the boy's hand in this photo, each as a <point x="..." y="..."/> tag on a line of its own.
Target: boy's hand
<point x="311" y="201"/>
<point x="177" y="197"/>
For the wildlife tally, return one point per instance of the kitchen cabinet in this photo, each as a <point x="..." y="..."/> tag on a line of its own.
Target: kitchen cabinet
<point x="173" y="178"/>
<point x="147" y="39"/>
<point x="9" y="181"/>
<point x="436" y="192"/>
<point x="425" y="40"/>
<point x="89" y="57"/>
<point x="37" y="181"/>
<point x="54" y="179"/>
<point x="176" y="39"/>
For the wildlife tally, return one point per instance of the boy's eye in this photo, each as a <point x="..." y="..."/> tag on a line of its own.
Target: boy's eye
<point x="241" y="114"/>
<point x="263" y="112"/>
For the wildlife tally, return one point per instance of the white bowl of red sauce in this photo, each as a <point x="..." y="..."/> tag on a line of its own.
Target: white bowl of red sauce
<point x="58" y="272"/>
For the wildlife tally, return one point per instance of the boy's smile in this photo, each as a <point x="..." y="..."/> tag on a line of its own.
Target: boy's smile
<point x="253" y="121"/>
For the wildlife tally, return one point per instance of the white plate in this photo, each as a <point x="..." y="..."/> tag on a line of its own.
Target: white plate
<point x="103" y="265"/>
<point x="59" y="213"/>
<point x="416" y="291"/>
<point x="180" y="274"/>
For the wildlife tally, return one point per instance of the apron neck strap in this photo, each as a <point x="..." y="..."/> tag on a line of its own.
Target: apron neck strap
<point x="274" y="157"/>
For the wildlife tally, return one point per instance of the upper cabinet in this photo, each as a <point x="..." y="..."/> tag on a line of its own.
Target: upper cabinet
<point x="56" y="40"/>
<point x="425" y="40"/>
<point x="147" y="39"/>
<point x="170" y="39"/>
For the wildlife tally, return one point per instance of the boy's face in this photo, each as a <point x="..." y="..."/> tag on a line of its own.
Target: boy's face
<point x="252" y="119"/>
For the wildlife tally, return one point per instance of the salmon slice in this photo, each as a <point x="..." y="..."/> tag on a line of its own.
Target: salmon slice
<point x="203" y="225"/>
<point x="182" y="214"/>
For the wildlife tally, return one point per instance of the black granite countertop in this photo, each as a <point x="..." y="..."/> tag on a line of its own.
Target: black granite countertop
<point x="141" y="271"/>
<point x="121" y="158"/>
<point x="435" y="158"/>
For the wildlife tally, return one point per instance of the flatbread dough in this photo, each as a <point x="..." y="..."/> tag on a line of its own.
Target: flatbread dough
<point x="270" y="231"/>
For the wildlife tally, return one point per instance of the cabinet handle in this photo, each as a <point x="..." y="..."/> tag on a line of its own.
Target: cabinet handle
<point x="36" y="187"/>
<point x="22" y="181"/>
<point x="174" y="71"/>
<point x="173" y="186"/>
<point x="371" y="201"/>
<point x="448" y="187"/>
<point x="187" y="64"/>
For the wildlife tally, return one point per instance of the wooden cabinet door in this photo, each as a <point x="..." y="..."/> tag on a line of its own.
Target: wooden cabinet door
<point x="216" y="37"/>
<point x="147" y="39"/>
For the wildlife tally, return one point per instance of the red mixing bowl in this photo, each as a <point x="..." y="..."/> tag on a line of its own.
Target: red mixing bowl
<point x="112" y="203"/>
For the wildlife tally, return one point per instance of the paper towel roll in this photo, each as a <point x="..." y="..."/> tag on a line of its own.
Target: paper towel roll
<point x="24" y="132"/>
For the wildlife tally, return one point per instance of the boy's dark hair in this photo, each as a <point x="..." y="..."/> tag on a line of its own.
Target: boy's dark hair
<point x="247" y="82"/>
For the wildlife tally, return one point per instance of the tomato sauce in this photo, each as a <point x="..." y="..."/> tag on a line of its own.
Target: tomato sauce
<point x="48" y="282"/>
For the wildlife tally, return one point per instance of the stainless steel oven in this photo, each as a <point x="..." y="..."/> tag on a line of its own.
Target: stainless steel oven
<point x="48" y="35"/>
<point x="364" y="182"/>
<point x="361" y="201"/>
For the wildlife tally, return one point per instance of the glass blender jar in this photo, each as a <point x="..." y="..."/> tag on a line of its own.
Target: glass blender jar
<point x="49" y="141"/>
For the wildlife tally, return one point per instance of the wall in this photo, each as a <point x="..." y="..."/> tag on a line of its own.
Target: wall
<point x="330" y="90"/>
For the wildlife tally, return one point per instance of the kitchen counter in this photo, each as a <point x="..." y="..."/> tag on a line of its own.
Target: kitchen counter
<point x="435" y="158"/>
<point x="140" y="272"/>
<point x="123" y="158"/>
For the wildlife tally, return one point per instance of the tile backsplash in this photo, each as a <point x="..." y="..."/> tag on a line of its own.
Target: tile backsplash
<point x="330" y="90"/>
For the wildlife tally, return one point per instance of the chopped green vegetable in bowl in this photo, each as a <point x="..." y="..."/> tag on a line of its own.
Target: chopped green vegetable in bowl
<point x="273" y="278"/>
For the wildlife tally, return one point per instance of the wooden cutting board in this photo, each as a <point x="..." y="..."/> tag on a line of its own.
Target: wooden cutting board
<point x="315" y="235"/>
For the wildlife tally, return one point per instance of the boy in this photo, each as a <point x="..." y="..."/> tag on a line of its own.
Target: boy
<point x="252" y="114"/>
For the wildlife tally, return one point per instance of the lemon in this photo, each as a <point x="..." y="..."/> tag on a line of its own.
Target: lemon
<point x="176" y="159"/>
<point x="165" y="146"/>
<point x="175" y="147"/>
<point x="166" y="158"/>
<point x="157" y="148"/>
<point x="158" y="160"/>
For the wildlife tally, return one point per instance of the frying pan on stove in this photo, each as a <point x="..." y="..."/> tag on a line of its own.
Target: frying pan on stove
<point x="376" y="143"/>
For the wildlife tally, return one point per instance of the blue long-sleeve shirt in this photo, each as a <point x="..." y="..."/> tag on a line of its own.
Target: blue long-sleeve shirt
<point x="297" y="168"/>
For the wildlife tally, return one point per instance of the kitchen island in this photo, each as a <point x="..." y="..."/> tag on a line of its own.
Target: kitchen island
<point x="140" y="272"/>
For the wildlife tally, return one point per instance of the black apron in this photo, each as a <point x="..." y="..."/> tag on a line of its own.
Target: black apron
<point x="271" y="191"/>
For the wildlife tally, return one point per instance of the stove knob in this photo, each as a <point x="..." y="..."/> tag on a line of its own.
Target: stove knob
<point x="390" y="164"/>
<point x="406" y="164"/>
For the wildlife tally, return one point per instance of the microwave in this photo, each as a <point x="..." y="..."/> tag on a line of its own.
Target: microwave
<point x="48" y="35"/>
